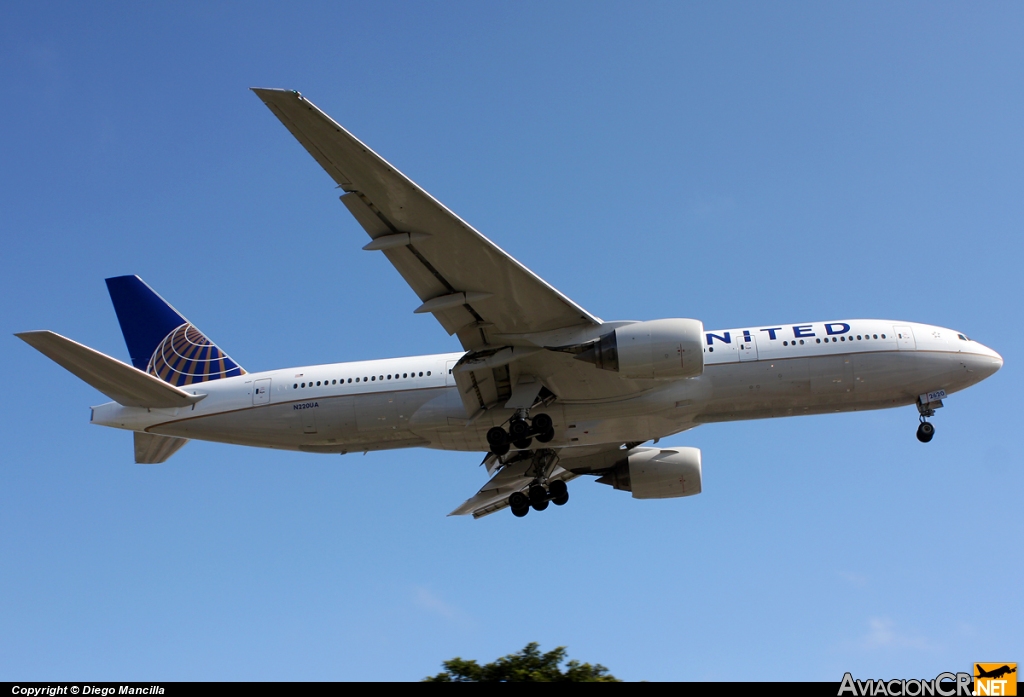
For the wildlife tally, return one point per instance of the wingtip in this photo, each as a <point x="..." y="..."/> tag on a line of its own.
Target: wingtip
<point x="265" y="92"/>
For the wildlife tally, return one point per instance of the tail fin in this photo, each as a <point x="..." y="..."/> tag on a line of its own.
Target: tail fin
<point x="163" y="343"/>
<point x="151" y="449"/>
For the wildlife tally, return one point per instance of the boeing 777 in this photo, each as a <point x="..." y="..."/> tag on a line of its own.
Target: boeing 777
<point x="547" y="390"/>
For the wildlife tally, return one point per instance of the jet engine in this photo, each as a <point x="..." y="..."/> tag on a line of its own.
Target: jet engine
<point x="652" y="473"/>
<point x="658" y="349"/>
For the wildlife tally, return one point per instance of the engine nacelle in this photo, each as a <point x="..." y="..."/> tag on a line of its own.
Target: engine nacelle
<point x="652" y="473"/>
<point x="660" y="349"/>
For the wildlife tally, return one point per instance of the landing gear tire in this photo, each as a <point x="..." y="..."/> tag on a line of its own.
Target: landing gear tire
<point x="497" y="437"/>
<point x="542" y="424"/>
<point x="523" y="444"/>
<point x="538" y="495"/>
<point x="518" y="429"/>
<point x="519" y="504"/>
<point x="559" y="492"/>
<point x="925" y="432"/>
<point x="546" y="436"/>
<point x="497" y="441"/>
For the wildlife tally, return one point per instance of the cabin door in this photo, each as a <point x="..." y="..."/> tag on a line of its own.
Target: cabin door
<point x="261" y="392"/>
<point x="905" y="338"/>
<point x="747" y="347"/>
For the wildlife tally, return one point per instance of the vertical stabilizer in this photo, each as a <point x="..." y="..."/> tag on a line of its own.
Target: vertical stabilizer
<point x="151" y="449"/>
<point x="163" y="343"/>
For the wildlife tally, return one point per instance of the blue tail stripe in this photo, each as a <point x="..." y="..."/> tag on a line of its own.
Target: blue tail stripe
<point x="161" y="341"/>
<point x="144" y="316"/>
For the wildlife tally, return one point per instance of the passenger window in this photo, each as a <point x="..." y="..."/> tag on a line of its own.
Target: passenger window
<point x="373" y="377"/>
<point x="883" y="336"/>
<point x="295" y="386"/>
<point x="428" y="373"/>
<point x="818" y="340"/>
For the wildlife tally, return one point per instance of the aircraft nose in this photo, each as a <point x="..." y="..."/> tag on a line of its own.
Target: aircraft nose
<point x="986" y="361"/>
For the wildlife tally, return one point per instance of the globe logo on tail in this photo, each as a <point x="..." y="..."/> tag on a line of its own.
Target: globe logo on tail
<point x="187" y="357"/>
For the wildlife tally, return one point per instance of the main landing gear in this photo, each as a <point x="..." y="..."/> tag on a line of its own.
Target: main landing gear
<point x="541" y="491"/>
<point x="538" y="497"/>
<point x="521" y="432"/>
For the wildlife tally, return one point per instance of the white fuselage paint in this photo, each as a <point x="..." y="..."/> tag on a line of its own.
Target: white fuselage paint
<point x="748" y="374"/>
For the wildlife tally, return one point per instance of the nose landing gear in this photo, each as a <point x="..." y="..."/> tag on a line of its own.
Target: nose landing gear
<point x="926" y="431"/>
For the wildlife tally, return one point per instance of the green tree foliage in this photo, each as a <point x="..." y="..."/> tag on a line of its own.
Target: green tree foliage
<point x="529" y="665"/>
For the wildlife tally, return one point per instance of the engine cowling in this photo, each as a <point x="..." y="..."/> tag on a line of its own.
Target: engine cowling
<point x="652" y="473"/>
<point x="660" y="349"/>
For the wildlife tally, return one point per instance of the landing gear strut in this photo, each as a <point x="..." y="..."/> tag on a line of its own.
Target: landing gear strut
<point x="926" y="431"/>
<point x="521" y="432"/>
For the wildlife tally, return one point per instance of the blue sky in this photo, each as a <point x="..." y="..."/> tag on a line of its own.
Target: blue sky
<point x="740" y="163"/>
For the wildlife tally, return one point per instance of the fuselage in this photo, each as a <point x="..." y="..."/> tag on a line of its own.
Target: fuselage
<point x="749" y="373"/>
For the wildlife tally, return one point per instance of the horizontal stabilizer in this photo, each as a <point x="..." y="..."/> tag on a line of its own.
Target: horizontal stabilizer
<point x="121" y="382"/>
<point x="151" y="449"/>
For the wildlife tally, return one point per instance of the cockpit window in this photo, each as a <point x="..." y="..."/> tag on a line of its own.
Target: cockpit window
<point x="962" y="337"/>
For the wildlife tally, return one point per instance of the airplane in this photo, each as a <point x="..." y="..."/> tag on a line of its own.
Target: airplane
<point x="547" y="390"/>
<point x="996" y="672"/>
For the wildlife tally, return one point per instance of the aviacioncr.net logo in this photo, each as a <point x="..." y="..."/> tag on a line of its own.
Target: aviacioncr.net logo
<point x="942" y="685"/>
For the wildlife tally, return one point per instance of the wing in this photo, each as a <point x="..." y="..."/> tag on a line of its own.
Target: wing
<point x="520" y="473"/>
<point x="471" y="286"/>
